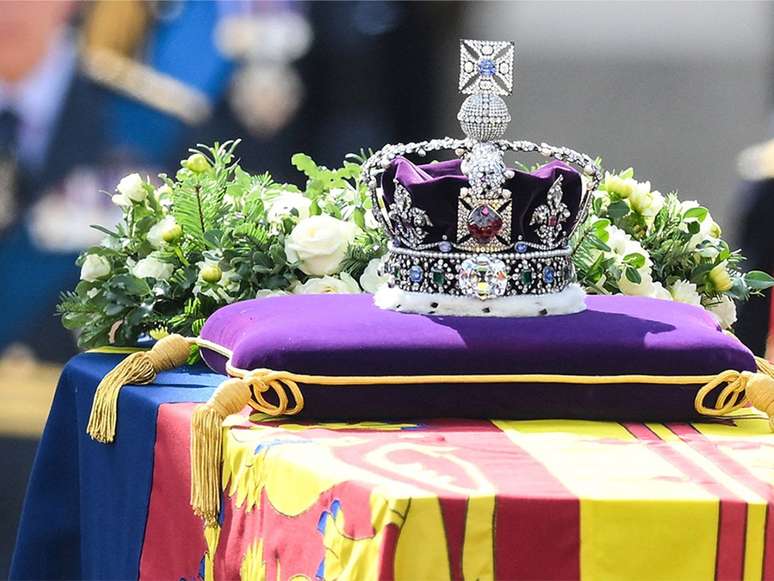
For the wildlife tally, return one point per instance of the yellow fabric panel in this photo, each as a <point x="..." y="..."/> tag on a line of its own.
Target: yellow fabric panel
<point x="645" y="540"/>
<point x="578" y="428"/>
<point x="755" y="542"/>
<point x="421" y="551"/>
<point x="638" y="512"/>
<point x="478" y="549"/>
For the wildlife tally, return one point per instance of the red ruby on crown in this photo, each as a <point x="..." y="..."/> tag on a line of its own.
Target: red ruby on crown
<point x="484" y="223"/>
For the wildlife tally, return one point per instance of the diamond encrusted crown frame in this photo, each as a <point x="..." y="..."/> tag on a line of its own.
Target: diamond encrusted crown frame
<point x="484" y="261"/>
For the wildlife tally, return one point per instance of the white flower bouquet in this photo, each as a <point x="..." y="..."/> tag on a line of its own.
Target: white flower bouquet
<point x="638" y="241"/>
<point x="214" y="234"/>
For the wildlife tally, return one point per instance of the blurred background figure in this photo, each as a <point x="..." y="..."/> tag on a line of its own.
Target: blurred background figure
<point x="756" y="165"/>
<point x="93" y="91"/>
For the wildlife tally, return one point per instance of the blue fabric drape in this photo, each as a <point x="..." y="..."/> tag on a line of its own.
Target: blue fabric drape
<point x="86" y="506"/>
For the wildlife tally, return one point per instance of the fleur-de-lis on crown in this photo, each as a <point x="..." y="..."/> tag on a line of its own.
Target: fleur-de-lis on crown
<point x="408" y="221"/>
<point x="550" y="217"/>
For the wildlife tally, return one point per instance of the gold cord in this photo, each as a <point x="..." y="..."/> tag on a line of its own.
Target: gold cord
<point x="138" y="369"/>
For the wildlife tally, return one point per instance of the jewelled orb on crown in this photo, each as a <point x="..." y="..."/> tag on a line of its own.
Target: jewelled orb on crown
<point x="471" y="236"/>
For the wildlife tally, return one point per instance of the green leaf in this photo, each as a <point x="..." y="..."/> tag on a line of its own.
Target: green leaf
<point x="105" y="230"/>
<point x="596" y="206"/>
<point x="132" y="284"/>
<point x="633" y="276"/>
<point x="212" y="237"/>
<point x="738" y="290"/>
<point x="618" y="209"/>
<point x="693" y="227"/>
<point x="634" y="260"/>
<point x="305" y="164"/>
<point x="627" y="173"/>
<point x="359" y="218"/>
<point x="759" y="280"/>
<point x="597" y="243"/>
<point x="698" y="213"/>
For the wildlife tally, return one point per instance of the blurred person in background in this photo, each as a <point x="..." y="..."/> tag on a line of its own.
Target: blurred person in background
<point x="93" y="91"/>
<point x="756" y="165"/>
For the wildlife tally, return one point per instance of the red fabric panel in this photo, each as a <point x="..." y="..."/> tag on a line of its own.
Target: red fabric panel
<point x="174" y="545"/>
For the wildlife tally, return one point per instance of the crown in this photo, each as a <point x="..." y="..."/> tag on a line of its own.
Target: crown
<point x="471" y="236"/>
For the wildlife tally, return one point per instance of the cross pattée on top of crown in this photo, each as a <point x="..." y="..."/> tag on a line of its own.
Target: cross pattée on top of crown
<point x="486" y="66"/>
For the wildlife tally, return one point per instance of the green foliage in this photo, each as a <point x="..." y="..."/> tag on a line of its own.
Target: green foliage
<point x="224" y="219"/>
<point x="639" y="241"/>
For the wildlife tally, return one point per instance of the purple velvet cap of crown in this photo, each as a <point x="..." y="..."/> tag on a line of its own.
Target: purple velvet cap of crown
<point x="435" y="187"/>
<point x="348" y="335"/>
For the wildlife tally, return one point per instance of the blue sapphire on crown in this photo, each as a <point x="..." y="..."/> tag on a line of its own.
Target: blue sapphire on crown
<point x="487" y="68"/>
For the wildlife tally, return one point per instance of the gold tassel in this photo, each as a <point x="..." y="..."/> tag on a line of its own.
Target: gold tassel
<point x="138" y="369"/>
<point x="760" y="389"/>
<point x="206" y="445"/>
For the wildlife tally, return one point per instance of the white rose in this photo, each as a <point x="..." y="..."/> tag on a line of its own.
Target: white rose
<point x="708" y="229"/>
<point x="151" y="267"/>
<point x="647" y="287"/>
<point x="281" y="206"/>
<point x="343" y="284"/>
<point x="644" y="288"/>
<point x="659" y="292"/>
<point x="94" y="267"/>
<point x="132" y="187"/>
<point x="621" y="245"/>
<point x="371" y="279"/>
<point x="708" y="250"/>
<point x="121" y="200"/>
<point x="156" y="232"/>
<point x="724" y="310"/>
<point x="319" y="244"/>
<point x="683" y="291"/>
<point x="110" y="242"/>
<point x="624" y="187"/>
<point x="645" y="202"/>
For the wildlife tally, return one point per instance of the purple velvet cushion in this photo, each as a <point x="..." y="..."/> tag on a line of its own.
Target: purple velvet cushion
<point x="348" y="335"/>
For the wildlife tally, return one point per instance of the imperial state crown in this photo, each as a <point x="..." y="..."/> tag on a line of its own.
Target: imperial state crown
<point x="471" y="236"/>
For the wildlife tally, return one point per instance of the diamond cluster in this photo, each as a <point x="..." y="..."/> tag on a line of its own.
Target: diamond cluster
<point x="484" y="117"/>
<point x="484" y="276"/>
